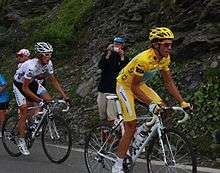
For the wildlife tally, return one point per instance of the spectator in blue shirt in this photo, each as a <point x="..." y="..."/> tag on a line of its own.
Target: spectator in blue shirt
<point x="4" y="99"/>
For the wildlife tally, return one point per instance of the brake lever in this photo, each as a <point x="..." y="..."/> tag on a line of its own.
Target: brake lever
<point x="67" y="106"/>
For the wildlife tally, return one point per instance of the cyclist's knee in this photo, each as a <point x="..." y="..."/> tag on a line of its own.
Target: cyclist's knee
<point x="46" y="96"/>
<point x="23" y="108"/>
<point x="130" y="126"/>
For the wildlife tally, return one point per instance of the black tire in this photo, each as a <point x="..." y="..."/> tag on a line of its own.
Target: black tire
<point x="58" y="149"/>
<point x="9" y="136"/>
<point x="181" y="148"/>
<point x="94" y="140"/>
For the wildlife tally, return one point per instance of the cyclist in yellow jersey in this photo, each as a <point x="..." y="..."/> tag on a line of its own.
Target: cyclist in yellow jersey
<point x="130" y="85"/>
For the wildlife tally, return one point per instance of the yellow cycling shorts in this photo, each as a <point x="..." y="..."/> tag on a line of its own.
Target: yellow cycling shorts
<point x="127" y="97"/>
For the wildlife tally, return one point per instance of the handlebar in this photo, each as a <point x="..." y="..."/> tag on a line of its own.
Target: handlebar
<point x="176" y="108"/>
<point x="186" y="115"/>
<point x="55" y="102"/>
<point x="67" y="105"/>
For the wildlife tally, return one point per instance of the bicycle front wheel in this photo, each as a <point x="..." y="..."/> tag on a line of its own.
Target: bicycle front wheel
<point x="56" y="139"/>
<point x="9" y="136"/>
<point x="100" y="149"/>
<point x="177" y="155"/>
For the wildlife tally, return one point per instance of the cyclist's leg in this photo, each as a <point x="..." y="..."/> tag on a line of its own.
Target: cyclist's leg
<point x="155" y="98"/>
<point x="150" y="93"/>
<point x="43" y="93"/>
<point x="32" y="111"/>
<point x="22" y="120"/>
<point x="130" y="127"/>
<point x="126" y="99"/>
<point x="3" y="112"/>
<point x="22" y="106"/>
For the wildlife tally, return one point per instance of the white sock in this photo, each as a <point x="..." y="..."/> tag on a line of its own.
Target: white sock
<point x="119" y="162"/>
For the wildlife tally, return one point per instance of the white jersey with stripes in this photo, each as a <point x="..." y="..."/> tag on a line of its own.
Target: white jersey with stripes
<point x="32" y="69"/>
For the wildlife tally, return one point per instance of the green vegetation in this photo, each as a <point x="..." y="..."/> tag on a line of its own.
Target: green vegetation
<point x="3" y="3"/>
<point x="205" y="99"/>
<point x="207" y="107"/>
<point x="62" y="27"/>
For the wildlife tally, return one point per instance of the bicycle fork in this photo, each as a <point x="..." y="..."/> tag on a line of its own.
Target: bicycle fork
<point x="53" y="129"/>
<point x="163" y="148"/>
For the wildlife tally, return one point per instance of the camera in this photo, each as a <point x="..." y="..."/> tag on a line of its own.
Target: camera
<point x="116" y="49"/>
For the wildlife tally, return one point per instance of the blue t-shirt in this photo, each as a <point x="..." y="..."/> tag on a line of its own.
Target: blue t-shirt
<point x="4" y="96"/>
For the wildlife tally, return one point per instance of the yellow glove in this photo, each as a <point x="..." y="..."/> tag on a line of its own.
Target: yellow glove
<point x="186" y="105"/>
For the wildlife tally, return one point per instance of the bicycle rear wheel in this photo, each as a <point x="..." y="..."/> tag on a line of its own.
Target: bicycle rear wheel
<point x="9" y="136"/>
<point x="56" y="139"/>
<point x="176" y="146"/>
<point x="101" y="140"/>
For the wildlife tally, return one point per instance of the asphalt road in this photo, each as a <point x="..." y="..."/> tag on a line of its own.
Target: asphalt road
<point x="37" y="162"/>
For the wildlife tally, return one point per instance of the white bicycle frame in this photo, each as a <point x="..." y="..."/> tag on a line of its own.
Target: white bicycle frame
<point x="43" y="114"/>
<point x="155" y="129"/>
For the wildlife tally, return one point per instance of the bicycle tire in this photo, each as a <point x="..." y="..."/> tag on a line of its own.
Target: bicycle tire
<point x="154" y="153"/>
<point x="94" y="140"/>
<point x="9" y="134"/>
<point x="63" y="135"/>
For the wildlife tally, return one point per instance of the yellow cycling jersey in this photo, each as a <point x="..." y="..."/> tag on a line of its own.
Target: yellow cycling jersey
<point x="144" y="62"/>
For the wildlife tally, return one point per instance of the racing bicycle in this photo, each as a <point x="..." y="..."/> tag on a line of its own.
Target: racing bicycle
<point x="163" y="149"/>
<point x="55" y="134"/>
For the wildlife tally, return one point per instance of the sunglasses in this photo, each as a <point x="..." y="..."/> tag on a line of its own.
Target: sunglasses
<point x="47" y="54"/>
<point x="166" y="44"/>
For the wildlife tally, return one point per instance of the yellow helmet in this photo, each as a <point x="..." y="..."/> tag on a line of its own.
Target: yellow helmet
<point x="161" y="33"/>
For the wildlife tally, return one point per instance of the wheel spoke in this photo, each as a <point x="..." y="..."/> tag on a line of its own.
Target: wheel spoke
<point x="176" y="147"/>
<point x="9" y="131"/>
<point x="56" y="140"/>
<point x="100" y="140"/>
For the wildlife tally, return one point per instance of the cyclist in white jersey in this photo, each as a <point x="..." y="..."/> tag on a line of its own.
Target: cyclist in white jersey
<point x="26" y="88"/>
<point x="24" y="55"/>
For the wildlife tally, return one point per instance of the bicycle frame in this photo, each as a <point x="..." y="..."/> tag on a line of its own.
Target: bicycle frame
<point x="39" y="125"/>
<point x="157" y="128"/>
<point x="47" y="113"/>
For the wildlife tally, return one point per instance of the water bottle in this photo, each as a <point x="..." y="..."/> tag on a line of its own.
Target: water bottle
<point x="140" y="136"/>
<point x="33" y="122"/>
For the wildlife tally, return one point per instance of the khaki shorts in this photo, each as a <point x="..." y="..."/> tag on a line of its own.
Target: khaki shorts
<point x="107" y="109"/>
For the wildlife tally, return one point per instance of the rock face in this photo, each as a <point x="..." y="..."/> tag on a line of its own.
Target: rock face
<point x="195" y="24"/>
<point x="11" y="13"/>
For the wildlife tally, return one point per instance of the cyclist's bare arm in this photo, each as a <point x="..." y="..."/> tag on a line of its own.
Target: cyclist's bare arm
<point x="2" y="88"/>
<point x="57" y="86"/>
<point x="28" y="92"/>
<point x="135" y="88"/>
<point x="170" y="85"/>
